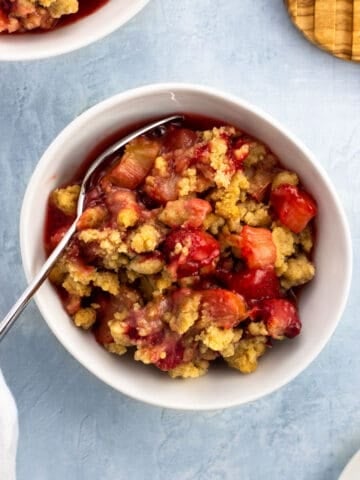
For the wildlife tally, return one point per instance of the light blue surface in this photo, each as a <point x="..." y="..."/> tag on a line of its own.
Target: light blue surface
<point x="71" y="425"/>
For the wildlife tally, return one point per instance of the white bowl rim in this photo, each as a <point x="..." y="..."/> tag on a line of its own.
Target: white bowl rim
<point x="104" y="29"/>
<point x="352" y="468"/>
<point x="97" y="109"/>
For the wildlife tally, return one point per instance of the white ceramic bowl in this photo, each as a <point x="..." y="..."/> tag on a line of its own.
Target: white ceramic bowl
<point x="87" y="30"/>
<point x="321" y="304"/>
<point x="352" y="469"/>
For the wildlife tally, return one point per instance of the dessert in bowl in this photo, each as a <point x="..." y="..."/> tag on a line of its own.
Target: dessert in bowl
<point x="29" y="15"/>
<point x="32" y="29"/>
<point x="190" y="249"/>
<point x="189" y="330"/>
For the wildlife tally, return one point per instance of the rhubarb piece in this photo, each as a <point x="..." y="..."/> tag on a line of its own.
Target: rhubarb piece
<point x="135" y="164"/>
<point x="225" y="309"/>
<point x="257" y="247"/>
<point x="294" y="207"/>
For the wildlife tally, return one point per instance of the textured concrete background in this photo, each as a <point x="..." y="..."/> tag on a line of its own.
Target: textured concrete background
<point x="71" y="425"/>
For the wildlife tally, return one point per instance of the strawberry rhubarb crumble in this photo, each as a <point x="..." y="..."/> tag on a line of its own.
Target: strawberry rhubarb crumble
<point x="191" y="248"/>
<point x="26" y="15"/>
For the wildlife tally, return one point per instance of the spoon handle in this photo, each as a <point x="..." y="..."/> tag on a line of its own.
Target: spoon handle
<point x="41" y="276"/>
<point x="37" y="281"/>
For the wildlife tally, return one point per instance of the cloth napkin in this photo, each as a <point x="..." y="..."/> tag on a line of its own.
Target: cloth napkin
<point x="8" y="432"/>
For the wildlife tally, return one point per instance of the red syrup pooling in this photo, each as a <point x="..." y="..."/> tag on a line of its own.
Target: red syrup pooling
<point x="86" y="8"/>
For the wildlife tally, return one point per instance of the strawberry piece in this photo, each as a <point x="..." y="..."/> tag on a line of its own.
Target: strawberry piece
<point x="257" y="247"/>
<point x="191" y="252"/>
<point x="241" y="151"/>
<point x="294" y="207"/>
<point x="155" y="338"/>
<point x="281" y="318"/>
<point x="254" y="284"/>
<point x="185" y="213"/>
<point x="174" y="356"/>
<point x="135" y="164"/>
<point x="108" y="306"/>
<point x="226" y="309"/>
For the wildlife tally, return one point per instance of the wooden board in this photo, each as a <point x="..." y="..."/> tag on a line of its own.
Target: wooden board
<point x="333" y="25"/>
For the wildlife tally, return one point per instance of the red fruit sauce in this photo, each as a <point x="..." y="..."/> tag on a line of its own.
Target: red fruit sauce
<point x="86" y="8"/>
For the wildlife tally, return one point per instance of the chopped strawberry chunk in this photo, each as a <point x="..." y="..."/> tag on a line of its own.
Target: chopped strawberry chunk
<point x="257" y="247"/>
<point x="108" y="306"/>
<point x="226" y="309"/>
<point x="185" y="212"/>
<point x="135" y="164"/>
<point x="281" y="318"/>
<point x="240" y="151"/>
<point x="148" y="320"/>
<point x="294" y="207"/>
<point x="190" y="252"/>
<point x="254" y="284"/>
<point x="174" y="351"/>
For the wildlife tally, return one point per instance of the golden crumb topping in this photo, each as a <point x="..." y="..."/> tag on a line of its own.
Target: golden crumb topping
<point x="145" y="239"/>
<point x="65" y="199"/>
<point x="85" y="318"/>
<point x="247" y="353"/>
<point x="190" y="370"/>
<point x="299" y="271"/>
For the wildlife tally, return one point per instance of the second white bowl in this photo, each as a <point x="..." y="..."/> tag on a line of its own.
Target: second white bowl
<point x="33" y="46"/>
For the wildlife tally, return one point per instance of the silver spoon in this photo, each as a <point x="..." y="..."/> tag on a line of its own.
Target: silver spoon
<point x="41" y="276"/>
